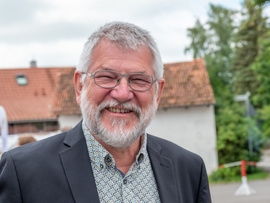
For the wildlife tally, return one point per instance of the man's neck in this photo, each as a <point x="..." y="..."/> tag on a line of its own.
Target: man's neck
<point x="124" y="157"/>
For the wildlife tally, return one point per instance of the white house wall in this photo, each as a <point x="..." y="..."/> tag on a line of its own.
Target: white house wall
<point x="192" y="128"/>
<point x="68" y="121"/>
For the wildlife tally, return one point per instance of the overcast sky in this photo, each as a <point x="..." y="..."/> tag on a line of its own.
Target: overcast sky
<point x="53" y="32"/>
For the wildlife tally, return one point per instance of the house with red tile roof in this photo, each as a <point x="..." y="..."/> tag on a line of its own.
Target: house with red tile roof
<point x="27" y="95"/>
<point x="46" y="101"/>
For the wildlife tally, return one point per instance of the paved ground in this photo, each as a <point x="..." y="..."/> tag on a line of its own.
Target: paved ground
<point x="225" y="193"/>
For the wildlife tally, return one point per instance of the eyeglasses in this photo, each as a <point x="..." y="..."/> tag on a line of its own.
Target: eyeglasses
<point x="110" y="79"/>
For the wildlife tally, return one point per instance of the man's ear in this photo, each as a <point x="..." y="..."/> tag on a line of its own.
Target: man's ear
<point x="161" y="83"/>
<point x="78" y="86"/>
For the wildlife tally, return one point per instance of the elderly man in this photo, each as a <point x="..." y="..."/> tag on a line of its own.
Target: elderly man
<point x="108" y="157"/>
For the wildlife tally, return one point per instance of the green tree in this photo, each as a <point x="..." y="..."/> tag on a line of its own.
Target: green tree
<point x="265" y="117"/>
<point x="232" y="134"/>
<point x="219" y="55"/>
<point x="252" y="28"/>
<point x="198" y="40"/>
<point x="261" y="2"/>
<point x="261" y="98"/>
<point x="261" y="67"/>
<point x="215" y="43"/>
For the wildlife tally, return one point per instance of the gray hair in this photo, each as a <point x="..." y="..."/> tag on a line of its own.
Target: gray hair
<point x="124" y="36"/>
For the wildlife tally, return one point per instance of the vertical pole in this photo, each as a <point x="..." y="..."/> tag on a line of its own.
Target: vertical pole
<point x="3" y="128"/>
<point x="244" y="189"/>
<point x="250" y="144"/>
<point x="243" y="169"/>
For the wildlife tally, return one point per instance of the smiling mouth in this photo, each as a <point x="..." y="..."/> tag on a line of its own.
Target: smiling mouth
<point x="117" y="110"/>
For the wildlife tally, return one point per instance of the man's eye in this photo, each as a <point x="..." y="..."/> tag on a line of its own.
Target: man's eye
<point x="106" y="76"/>
<point x="140" y="80"/>
<point x="137" y="79"/>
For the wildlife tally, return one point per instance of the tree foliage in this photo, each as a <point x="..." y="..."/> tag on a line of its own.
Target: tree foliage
<point x="252" y="28"/>
<point x="261" y="97"/>
<point x="261" y="67"/>
<point x="221" y="37"/>
<point x="198" y="40"/>
<point x="232" y="135"/>
<point x="265" y="117"/>
<point x="225" y="44"/>
<point x="261" y="2"/>
<point x="214" y="42"/>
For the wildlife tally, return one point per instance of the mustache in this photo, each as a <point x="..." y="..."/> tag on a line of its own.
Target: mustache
<point x="117" y="104"/>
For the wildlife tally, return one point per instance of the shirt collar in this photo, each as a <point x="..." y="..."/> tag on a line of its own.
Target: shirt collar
<point x="99" y="155"/>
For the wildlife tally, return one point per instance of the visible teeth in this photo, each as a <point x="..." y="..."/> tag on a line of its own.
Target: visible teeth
<point x="117" y="110"/>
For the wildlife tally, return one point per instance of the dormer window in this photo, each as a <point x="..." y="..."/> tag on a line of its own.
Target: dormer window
<point x="21" y="79"/>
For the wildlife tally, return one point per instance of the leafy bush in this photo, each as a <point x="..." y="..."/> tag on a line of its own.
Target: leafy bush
<point x="233" y="174"/>
<point x="225" y="175"/>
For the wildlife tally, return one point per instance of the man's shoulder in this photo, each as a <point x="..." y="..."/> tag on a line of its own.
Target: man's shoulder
<point x="170" y="149"/>
<point x="163" y="143"/>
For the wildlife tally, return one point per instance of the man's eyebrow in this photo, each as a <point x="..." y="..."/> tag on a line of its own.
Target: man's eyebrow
<point x="104" y="68"/>
<point x="135" y="72"/>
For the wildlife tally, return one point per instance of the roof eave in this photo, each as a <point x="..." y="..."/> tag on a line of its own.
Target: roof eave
<point x="31" y="121"/>
<point x="186" y="106"/>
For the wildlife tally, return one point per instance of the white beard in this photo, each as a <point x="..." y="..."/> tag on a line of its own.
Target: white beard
<point x="119" y="137"/>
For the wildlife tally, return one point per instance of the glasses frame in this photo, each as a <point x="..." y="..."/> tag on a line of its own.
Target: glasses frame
<point x="119" y="79"/>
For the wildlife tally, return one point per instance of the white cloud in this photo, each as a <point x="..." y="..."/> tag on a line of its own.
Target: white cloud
<point x="61" y="53"/>
<point x="54" y="31"/>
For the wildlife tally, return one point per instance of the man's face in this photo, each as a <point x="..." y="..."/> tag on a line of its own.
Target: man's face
<point x="118" y="116"/>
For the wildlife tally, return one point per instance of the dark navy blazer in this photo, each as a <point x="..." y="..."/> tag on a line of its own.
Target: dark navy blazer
<point x="58" y="169"/>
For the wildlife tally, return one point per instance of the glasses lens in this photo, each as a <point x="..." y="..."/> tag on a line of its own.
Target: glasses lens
<point x="140" y="82"/>
<point x="106" y="79"/>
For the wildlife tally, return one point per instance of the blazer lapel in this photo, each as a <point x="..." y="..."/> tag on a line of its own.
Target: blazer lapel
<point x="163" y="171"/>
<point x="77" y="166"/>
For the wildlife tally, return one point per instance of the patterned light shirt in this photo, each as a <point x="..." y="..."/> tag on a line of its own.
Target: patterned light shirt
<point x="138" y="185"/>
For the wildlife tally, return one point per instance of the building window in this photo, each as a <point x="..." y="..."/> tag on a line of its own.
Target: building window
<point x="21" y="79"/>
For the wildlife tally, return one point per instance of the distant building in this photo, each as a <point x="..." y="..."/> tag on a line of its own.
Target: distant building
<point x="27" y="95"/>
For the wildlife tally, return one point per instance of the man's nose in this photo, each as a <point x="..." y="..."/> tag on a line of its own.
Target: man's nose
<point x="122" y="92"/>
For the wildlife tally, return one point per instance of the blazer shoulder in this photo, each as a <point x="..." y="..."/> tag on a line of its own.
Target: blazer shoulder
<point x="170" y="149"/>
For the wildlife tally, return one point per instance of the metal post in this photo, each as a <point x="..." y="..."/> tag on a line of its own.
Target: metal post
<point x="245" y="98"/>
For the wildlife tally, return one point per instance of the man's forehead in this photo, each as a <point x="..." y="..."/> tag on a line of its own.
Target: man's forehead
<point x="107" y="55"/>
<point x="125" y="46"/>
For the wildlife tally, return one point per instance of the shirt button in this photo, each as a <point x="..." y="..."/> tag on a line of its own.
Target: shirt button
<point x="125" y="181"/>
<point x="109" y="159"/>
<point x="140" y="158"/>
<point x="101" y="166"/>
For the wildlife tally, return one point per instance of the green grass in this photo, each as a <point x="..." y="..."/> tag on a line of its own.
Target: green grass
<point x="257" y="175"/>
<point x="260" y="174"/>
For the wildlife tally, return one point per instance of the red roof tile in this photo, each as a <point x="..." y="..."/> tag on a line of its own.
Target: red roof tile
<point x="64" y="101"/>
<point x="186" y="84"/>
<point x="28" y="102"/>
